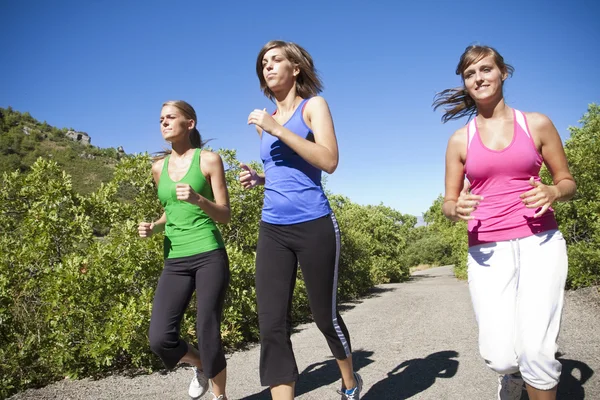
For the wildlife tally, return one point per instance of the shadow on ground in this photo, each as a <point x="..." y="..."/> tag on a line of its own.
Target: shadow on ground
<point x="344" y="306"/>
<point x="416" y="278"/>
<point x="574" y="375"/>
<point x="373" y="292"/>
<point x="572" y="378"/>
<point x="414" y="376"/>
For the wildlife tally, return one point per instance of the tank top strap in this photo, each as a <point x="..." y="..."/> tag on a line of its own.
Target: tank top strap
<point x="165" y="168"/>
<point x="194" y="173"/>
<point x="522" y="121"/>
<point x="299" y="112"/>
<point x="302" y="105"/>
<point x="471" y="130"/>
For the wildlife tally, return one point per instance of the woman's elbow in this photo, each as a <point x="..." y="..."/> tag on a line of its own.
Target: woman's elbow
<point x="331" y="167"/>
<point x="225" y="217"/>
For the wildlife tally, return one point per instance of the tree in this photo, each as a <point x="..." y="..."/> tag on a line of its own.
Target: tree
<point x="579" y="219"/>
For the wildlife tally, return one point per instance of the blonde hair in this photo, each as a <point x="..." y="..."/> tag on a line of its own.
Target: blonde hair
<point x="188" y="112"/>
<point x="457" y="102"/>
<point x="308" y="82"/>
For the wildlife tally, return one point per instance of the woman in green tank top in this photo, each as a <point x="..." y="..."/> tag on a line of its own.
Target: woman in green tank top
<point x="193" y="192"/>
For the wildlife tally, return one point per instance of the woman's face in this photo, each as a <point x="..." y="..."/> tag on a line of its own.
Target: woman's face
<point x="483" y="80"/>
<point x="278" y="71"/>
<point x="174" y="126"/>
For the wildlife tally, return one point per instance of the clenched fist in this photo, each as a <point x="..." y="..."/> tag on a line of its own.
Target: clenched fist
<point x="248" y="177"/>
<point x="145" y="229"/>
<point x="185" y="192"/>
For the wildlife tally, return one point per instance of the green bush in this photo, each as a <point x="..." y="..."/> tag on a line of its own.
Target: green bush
<point x="579" y="219"/>
<point x="77" y="282"/>
<point x="442" y="242"/>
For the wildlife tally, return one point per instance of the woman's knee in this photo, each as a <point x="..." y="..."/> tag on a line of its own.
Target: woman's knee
<point x="501" y="362"/>
<point x="161" y="341"/>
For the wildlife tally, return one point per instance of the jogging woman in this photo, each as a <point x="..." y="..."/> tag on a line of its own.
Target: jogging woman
<point x="193" y="192"/>
<point x="297" y="142"/>
<point x="517" y="260"/>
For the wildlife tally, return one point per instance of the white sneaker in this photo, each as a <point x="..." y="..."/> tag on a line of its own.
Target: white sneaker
<point x="214" y="396"/>
<point x="198" y="385"/>
<point x="510" y="387"/>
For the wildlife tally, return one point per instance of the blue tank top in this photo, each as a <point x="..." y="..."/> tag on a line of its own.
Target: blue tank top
<point x="293" y="191"/>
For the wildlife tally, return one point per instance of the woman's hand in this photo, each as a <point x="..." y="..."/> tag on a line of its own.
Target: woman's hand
<point x="264" y="121"/>
<point x="466" y="203"/>
<point x="540" y="196"/>
<point x="145" y="229"/>
<point x="185" y="192"/>
<point x="249" y="178"/>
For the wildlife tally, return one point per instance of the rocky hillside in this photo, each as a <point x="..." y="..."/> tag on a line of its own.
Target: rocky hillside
<point x="23" y="139"/>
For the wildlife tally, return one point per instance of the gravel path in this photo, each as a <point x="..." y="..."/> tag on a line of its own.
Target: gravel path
<point x="414" y="340"/>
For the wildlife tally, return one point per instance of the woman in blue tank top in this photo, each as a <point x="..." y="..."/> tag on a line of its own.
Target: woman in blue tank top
<point x="297" y="143"/>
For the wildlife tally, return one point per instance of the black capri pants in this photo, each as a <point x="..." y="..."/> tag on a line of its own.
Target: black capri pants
<point x="316" y="246"/>
<point x="208" y="274"/>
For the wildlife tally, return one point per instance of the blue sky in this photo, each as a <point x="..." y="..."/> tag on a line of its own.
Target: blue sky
<point x="105" y="67"/>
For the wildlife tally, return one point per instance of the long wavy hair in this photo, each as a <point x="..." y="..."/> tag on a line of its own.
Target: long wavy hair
<point x="457" y="102"/>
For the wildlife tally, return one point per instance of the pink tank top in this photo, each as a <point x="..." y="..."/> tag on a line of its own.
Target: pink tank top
<point x="501" y="176"/>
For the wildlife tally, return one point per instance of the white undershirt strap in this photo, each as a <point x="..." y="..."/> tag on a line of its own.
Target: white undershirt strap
<point x="521" y="121"/>
<point x="471" y="128"/>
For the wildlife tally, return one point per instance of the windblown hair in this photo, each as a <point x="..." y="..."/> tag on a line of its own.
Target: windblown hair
<point x="188" y="111"/>
<point x="457" y="102"/>
<point x="308" y="82"/>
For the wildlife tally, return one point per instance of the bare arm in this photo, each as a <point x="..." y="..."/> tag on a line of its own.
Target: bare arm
<point x="147" y="229"/>
<point x="249" y="178"/>
<point x="554" y="156"/>
<point x="458" y="202"/>
<point x="220" y="210"/>
<point x="211" y="166"/>
<point x="323" y="153"/>
<point x="555" y="159"/>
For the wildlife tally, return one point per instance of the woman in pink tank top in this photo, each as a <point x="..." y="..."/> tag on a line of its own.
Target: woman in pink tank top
<point x="517" y="261"/>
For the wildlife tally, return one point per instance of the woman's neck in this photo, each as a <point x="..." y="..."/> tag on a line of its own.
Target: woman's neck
<point x="495" y="110"/>
<point x="180" y="149"/>
<point x="287" y="102"/>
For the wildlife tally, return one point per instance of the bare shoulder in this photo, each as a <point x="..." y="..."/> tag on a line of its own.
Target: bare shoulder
<point x="157" y="166"/>
<point x="316" y="108"/>
<point x="538" y="121"/>
<point x="211" y="157"/>
<point x="210" y="163"/>
<point x="457" y="145"/>
<point x="458" y="138"/>
<point x="315" y="103"/>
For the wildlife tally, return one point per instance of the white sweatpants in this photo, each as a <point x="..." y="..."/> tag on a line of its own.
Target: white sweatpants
<point x="517" y="290"/>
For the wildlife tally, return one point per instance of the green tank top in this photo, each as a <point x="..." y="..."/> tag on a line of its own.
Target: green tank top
<point x="189" y="230"/>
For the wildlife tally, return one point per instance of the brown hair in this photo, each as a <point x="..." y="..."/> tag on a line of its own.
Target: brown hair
<point x="457" y="102"/>
<point x="308" y="82"/>
<point x="188" y="111"/>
